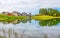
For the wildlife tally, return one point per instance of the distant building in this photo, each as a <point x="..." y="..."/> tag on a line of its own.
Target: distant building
<point x="15" y="13"/>
<point x="24" y="14"/>
<point x="29" y="14"/>
<point x="5" y="12"/>
<point x="10" y="14"/>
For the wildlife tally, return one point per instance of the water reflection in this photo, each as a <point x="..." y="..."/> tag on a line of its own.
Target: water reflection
<point x="19" y="33"/>
<point x="52" y="22"/>
<point x="47" y="32"/>
<point x="30" y="32"/>
<point x="17" y="21"/>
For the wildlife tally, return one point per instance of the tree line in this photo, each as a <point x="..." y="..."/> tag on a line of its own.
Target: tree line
<point x="49" y="11"/>
<point x="51" y="22"/>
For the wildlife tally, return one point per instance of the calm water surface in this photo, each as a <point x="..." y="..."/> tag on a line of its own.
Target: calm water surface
<point x="30" y="29"/>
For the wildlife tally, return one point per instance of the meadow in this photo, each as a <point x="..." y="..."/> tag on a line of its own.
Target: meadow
<point x="10" y="18"/>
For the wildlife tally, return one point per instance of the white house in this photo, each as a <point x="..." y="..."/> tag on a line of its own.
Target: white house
<point x="5" y="12"/>
<point x="24" y="14"/>
<point x="15" y="13"/>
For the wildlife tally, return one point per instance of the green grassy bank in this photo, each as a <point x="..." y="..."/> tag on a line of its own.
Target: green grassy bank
<point x="43" y="17"/>
<point x="7" y="18"/>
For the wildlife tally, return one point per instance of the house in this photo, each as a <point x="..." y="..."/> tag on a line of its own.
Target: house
<point x="5" y="12"/>
<point x="15" y="13"/>
<point x="29" y="14"/>
<point x="10" y="14"/>
<point x="24" y="14"/>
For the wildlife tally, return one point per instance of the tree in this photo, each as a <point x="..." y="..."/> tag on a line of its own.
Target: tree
<point x="49" y="11"/>
<point x="43" y="11"/>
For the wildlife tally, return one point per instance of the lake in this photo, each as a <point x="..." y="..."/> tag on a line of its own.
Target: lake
<point x="30" y="29"/>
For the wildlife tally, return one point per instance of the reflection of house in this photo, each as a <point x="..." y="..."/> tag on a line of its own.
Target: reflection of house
<point x="16" y="21"/>
<point x="15" y="13"/>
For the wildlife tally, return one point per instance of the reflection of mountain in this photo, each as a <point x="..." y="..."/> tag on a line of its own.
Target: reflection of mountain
<point x="49" y="22"/>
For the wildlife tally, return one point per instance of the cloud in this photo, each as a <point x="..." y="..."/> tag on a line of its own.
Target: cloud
<point x="50" y="3"/>
<point x="27" y="5"/>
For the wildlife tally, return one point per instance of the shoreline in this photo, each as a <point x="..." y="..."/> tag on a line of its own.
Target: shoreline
<point x="44" y="17"/>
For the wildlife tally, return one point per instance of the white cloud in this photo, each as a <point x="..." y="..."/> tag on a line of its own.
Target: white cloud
<point x="27" y="5"/>
<point x="50" y="3"/>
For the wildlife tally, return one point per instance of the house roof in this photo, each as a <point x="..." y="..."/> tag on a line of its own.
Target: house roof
<point x="16" y="12"/>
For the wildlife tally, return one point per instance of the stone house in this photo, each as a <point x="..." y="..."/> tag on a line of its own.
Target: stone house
<point x="5" y="12"/>
<point x="24" y="14"/>
<point x="10" y="14"/>
<point x="29" y="14"/>
<point x="15" y="13"/>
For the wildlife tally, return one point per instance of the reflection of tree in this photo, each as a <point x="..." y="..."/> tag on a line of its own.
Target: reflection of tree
<point x="42" y="23"/>
<point x="49" y="22"/>
<point x="15" y="21"/>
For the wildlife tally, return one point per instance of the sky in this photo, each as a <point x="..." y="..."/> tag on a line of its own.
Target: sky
<point x="28" y="6"/>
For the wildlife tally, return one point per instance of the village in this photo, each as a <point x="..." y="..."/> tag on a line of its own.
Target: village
<point x="14" y="17"/>
<point x="16" y="13"/>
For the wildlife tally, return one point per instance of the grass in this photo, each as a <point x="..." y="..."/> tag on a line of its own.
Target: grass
<point x="10" y="18"/>
<point x="44" y="17"/>
<point x="22" y="17"/>
<point x="3" y="17"/>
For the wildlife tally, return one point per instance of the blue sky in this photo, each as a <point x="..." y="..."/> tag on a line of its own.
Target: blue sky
<point x="28" y="6"/>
